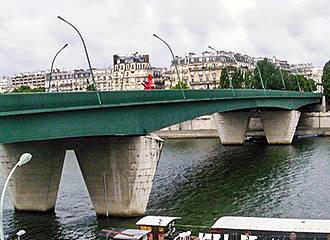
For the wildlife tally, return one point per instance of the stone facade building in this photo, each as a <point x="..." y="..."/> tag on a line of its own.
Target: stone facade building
<point x="68" y="81"/>
<point x="4" y="84"/>
<point x="129" y="72"/>
<point x="204" y="71"/>
<point x="32" y="79"/>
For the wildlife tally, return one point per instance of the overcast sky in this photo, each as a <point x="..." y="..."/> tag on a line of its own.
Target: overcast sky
<point x="31" y="34"/>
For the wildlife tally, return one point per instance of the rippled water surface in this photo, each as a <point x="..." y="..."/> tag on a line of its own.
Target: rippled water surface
<point x="200" y="180"/>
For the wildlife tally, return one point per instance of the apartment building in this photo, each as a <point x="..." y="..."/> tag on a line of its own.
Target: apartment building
<point x="68" y="81"/>
<point x="4" y="84"/>
<point x="32" y="79"/>
<point x="103" y="79"/>
<point x="204" y="71"/>
<point x="129" y="72"/>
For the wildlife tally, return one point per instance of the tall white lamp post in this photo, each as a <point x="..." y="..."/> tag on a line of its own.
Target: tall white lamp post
<point x="25" y="158"/>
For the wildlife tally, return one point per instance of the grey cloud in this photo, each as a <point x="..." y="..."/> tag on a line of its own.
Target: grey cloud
<point x="290" y="25"/>
<point x="30" y="31"/>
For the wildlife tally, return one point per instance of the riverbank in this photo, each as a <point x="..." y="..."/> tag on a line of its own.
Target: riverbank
<point x="313" y="123"/>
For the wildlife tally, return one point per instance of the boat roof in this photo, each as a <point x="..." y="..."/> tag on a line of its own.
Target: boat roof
<point x="131" y="234"/>
<point x="273" y="224"/>
<point x="159" y="221"/>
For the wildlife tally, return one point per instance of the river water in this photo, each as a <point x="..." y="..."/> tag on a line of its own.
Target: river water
<point x="200" y="181"/>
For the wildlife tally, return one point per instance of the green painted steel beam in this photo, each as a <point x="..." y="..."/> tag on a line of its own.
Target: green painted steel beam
<point x="44" y="116"/>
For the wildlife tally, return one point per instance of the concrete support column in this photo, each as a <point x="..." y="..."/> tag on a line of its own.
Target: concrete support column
<point x="119" y="172"/>
<point x="34" y="186"/>
<point x="231" y="126"/>
<point x="280" y="126"/>
<point x="324" y="105"/>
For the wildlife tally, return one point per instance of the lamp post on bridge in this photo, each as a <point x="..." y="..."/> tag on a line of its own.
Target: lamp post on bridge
<point x="175" y="64"/>
<point x="89" y="62"/>
<point x="25" y="158"/>
<point x="51" y="67"/>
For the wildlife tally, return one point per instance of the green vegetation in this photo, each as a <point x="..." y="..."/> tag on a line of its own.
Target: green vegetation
<point x="277" y="79"/>
<point x="180" y="85"/>
<point x="91" y="87"/>
<point x="271" y="76"/>
<point x="25" y="88"/>
<point x="326" y="80"/>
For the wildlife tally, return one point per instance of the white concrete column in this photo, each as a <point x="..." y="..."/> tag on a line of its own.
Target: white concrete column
<point x="231" y="126"/>
<point x="280" y="126"/>
<point x="33" y="186"/>
<point x="324" y="105"/>
<point x="119" y="172"/>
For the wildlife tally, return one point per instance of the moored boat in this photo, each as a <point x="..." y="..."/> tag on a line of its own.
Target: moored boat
<point x="251" y="228"/>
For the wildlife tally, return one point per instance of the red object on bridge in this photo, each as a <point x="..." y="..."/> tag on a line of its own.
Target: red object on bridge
<point x="148" y="85"/>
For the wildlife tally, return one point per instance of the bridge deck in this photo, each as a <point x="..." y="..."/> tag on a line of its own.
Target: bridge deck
<point x="43" y="116"/>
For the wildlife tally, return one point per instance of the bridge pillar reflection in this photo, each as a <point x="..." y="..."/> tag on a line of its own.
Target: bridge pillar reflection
<point x="231" y="126"/>
<point x="279" y="126"/>
<point x="119" y="172"/>
<point x="34" y="187"/>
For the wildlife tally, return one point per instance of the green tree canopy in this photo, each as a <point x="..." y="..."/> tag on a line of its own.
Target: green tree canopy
<point x="25" y="88"/>
<point x="224" y="78"/>
<point x="269" y="74"/>
<point x="326" y="80"/>
<point x="180" y="85"/>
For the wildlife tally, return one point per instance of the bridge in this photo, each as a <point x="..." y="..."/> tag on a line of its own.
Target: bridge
<point x="116" y="153"/>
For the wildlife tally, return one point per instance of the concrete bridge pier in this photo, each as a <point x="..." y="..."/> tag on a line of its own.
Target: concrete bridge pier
<point x="34" y="186"/>
<point x="119" y="172"/>
<point x="280" y="126"/>
<point x="231" y="126"/>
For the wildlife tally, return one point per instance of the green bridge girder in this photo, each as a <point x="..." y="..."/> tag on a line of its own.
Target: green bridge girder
<point x="45" y="116"/>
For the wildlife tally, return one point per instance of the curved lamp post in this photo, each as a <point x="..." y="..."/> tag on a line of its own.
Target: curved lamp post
<point x="25" y="158"/>
<point x="262" y="81"/>
<point x="51" y="67"/>
<point x="89" y="62"/>
<point x="122" y="81"/>
<point x="282" y="79"/>
<point x="175" y="64"/>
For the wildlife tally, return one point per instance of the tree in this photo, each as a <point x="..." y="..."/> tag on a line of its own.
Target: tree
<point x="326" y="80"/>
<point x="249" y="80"/>
<point x="91" y="87"/>
<point x="270" y="75"/>
<point x="238" y="78"/>
<point x="25" y="88"/>
<point x="180" y="85"/>
<point x="224" y="78"/>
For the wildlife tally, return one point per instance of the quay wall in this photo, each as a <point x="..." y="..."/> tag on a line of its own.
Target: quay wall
<point x="204" y="127"/>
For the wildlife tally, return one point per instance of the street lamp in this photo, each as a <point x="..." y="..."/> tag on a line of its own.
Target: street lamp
<point x="122" y="81"/>
<point x="175" y="63"/>
<point x="282" y="78"/>
<point x="262" y="82"/>
<point x="51" y="67"/>
<point x="89" y="62"/>
<point x="25" y="158"/>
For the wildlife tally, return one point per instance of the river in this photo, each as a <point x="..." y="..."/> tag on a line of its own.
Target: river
<point x="200" y="181"/>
